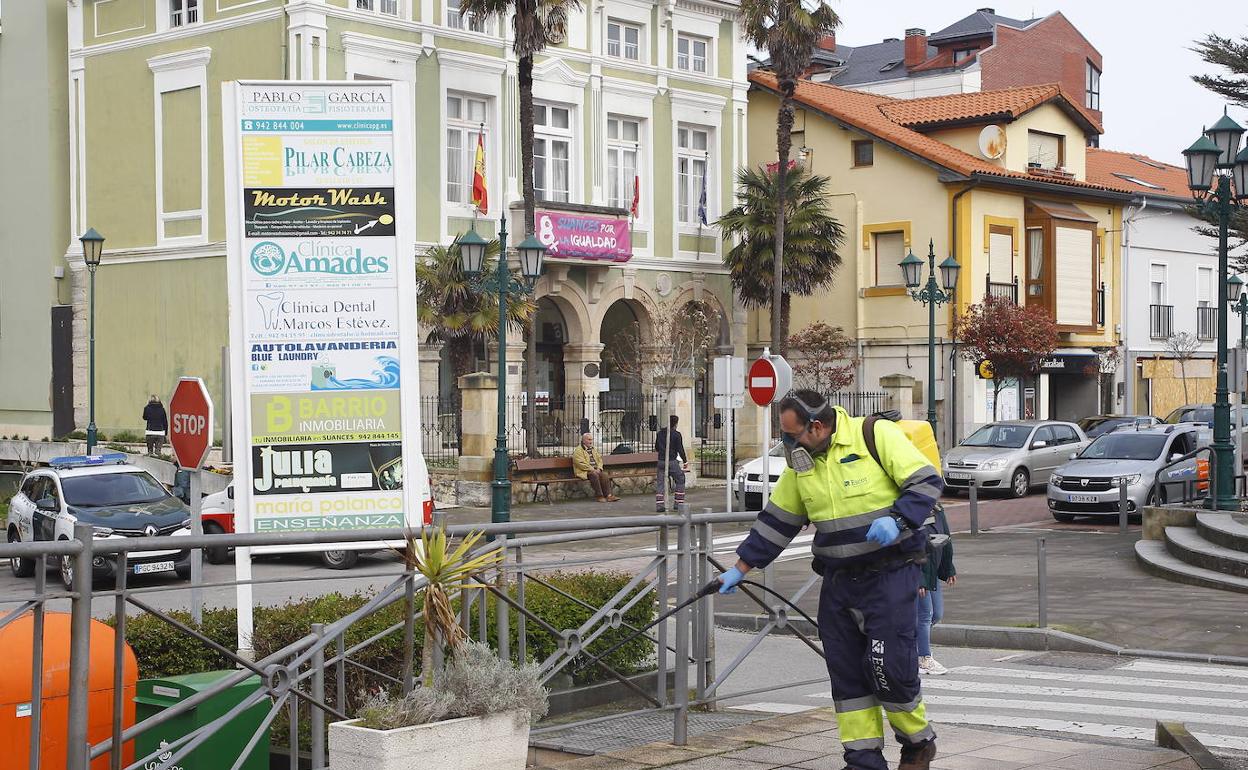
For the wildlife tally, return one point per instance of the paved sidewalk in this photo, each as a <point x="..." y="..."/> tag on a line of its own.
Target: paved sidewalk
<point x="808" y="740"/>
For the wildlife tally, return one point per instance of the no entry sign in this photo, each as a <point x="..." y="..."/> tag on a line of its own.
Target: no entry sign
<point x="769" y="379"/>
<point x="190" y="422"/>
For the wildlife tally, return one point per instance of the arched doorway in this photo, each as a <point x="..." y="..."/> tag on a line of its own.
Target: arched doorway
<point x="552" y="335"/>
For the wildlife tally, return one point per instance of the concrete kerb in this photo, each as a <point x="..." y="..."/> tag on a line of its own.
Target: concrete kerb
<point x="997" y="637"/>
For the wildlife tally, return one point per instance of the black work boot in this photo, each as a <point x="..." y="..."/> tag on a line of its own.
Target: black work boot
<point x="918" y="757"/>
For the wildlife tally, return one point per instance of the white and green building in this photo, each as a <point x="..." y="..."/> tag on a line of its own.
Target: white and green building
<point x="656" y="87"/>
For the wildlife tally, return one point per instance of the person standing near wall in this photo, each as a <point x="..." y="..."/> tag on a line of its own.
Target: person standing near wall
<point x="157" y="425"/>
<point x="669" y="445"/>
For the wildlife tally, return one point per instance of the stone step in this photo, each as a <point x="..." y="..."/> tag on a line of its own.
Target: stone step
<point x="1155" y="559"/>
<point x="1223" y="529"/>
<point x="1187" y="544"/>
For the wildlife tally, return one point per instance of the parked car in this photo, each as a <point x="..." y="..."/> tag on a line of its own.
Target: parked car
<point x="1090" y="483"/>
<point x="1101" y="424"/>
<point x="118" y="500"/>
<point x="748" y="484"/>
<point x="1012" y="456"/>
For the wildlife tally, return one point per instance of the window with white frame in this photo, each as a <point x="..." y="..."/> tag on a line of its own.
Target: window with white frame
<point x="552" y="152"/>
<point x="183" y="12"/>
<point x="623" y="40"/>
<point x="691" y="53"/>
<point x="693" y="145"/>
<point x="464" y="118"/>
<point x="456" y="18"/>
<point x="388" y="7"/>
<point x="1157" y="284"/>
<point x="623" y="150"/>
<point x="1204" y="286"/>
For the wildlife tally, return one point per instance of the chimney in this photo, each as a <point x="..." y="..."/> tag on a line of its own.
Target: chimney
<point x="992" y="11"/>
<point x="916" y="47"/>
<point x="827" y="42"/>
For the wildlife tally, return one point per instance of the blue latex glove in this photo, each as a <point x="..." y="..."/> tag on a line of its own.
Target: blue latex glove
<point x="883" y="531"/>
<point x="728" y="581"/>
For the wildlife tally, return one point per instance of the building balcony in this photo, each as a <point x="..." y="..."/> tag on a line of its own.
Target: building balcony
<point x="1161" y="321"/>
<point x="1001" y="290"/>
<point x="1206" y="323"/>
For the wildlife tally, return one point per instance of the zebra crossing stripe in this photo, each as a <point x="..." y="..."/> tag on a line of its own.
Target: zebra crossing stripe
<point x="1161" y="667"/>
<point x="1163" y="699"/>
<point x="1097" y="709"/>
<point x="1121" y="681"/>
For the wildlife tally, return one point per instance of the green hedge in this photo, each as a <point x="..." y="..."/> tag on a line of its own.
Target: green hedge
<point x="163" y="651"/>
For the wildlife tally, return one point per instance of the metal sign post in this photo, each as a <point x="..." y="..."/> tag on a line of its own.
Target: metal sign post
<point x="190" y="433"/>
<point x="729" y="396"/>
<point x="771" y="378"/>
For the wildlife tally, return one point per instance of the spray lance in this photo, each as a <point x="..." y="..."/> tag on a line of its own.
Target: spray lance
<point x="703" y="592"/>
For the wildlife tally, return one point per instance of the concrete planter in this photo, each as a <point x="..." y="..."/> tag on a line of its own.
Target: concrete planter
<point x="492" y="742"/>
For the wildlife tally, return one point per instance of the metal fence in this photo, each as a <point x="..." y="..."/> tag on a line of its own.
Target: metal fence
<point x="441" y="429"/>
<point x="300" y="678"/>
<point x="619" y="422"/>
<point x="860" y="402"/>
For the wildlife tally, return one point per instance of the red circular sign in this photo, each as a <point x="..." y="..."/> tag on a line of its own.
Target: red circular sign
<point x="761" y="381"/>
<point x="190" y="422"/>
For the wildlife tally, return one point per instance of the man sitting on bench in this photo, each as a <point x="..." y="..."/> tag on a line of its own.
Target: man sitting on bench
<point x="587" y="464"/>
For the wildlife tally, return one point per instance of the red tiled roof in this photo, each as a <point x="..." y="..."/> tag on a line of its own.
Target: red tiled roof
<point x="870" y="113"/>
<point x="1138" y="173"/>
<point x="1005" y="103"/>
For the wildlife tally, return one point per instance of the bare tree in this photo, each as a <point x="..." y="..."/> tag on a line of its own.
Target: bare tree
<point x="681" y="335"/>
<point x="825" y="357"/>
<point x="1182" y="348"/>
<point x="1108" y="359"/>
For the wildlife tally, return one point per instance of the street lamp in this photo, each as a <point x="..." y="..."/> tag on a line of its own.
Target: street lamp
<point x="92" y="251"/>
<point x="1239" y="303"/>
<point x="472" y="258"/>
<point x="1212" y="162"/>
<point x="931" y="295"/>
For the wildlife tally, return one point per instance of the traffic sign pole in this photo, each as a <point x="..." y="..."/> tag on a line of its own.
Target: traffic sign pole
<point x="190" y="433"/>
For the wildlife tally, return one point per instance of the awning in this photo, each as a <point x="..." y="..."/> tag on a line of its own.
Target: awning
<point x="1065" y="211"/>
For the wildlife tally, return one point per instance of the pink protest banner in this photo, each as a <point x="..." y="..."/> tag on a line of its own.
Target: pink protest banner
<point x="590" y="237"/>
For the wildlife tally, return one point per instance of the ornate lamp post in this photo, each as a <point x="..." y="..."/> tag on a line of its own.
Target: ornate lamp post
<point x="931" y="295"/>
<point x="471" y="258"/>
<point x="1212" y="162"/>
<point x="92" y="251"/>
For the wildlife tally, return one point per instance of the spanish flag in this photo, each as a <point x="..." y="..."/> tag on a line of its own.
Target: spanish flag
<point x="480" y="196"/>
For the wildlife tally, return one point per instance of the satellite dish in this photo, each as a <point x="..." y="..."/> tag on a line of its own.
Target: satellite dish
<point x="992" y="142"/>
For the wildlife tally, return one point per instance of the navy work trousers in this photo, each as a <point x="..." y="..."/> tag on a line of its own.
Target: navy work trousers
<point x="867" y="626"/>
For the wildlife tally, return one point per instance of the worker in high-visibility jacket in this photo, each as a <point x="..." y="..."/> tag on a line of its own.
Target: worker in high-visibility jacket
<point x="868" y="547"/>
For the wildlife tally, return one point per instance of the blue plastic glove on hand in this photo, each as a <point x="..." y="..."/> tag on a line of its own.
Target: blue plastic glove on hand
<point x="728" y="581"/>
<point x="883" y="531"/>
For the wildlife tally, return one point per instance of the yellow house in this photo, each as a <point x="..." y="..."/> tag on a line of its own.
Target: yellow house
<point x="998" y="180"/>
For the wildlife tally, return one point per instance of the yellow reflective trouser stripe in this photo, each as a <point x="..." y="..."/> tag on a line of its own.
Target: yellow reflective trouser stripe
<point x="911" y="723"/>
<point x="861" y="729"/>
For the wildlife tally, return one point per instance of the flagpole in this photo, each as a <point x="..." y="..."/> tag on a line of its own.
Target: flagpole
<point x="476" y="209"/>
<point x="706" y="166"/>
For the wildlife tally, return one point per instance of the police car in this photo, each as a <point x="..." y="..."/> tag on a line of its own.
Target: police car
<point x="116" y="499"/>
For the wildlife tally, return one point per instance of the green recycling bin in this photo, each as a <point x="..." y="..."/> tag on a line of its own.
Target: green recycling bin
<point x="155" y="695"/>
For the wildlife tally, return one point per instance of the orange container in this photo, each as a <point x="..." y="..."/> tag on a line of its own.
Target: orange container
<point x="17" y="643"/>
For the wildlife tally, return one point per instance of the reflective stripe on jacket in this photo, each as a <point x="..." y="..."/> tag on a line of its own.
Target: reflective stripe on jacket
<point x="843" y="494"/>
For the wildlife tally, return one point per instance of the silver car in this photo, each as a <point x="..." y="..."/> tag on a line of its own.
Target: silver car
<point x="1011" y="456"/>
<point x="1089" y="483"/>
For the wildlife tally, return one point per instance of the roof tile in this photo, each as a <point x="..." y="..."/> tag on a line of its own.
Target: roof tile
<point x="1129" y="169"/>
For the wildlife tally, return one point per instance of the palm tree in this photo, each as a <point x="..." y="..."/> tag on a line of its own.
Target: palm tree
<point x="788" y="32"/>
<point x="811" y="236"/>
<point x="457" y="312"/>
<point x="536" y="24"/>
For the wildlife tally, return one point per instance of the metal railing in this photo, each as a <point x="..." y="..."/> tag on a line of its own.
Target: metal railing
<point x="1161" y="321"/>
<point x="1000" y="290"/>
<point x="294" y="678"/>
<point x="441" y="429"/>
<point x="619" y="422"/>
<point x="1206" y="323"/>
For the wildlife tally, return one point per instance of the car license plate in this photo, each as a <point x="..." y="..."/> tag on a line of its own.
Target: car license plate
<point x="1084" y="499"/>
<point x="155" y="566"/>
<point x="957" y="475"/>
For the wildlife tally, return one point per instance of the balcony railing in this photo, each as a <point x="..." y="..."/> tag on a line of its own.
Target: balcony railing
<point x="1001" y="290"/>
<point x="1161" y="321"/>
<point x="1206" y="323"/>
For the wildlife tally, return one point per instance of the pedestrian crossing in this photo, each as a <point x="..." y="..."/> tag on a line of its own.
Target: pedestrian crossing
<point x="1123" y="701"/>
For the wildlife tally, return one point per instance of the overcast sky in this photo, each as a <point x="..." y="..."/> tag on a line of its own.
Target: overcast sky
<point x="1150" y="103"/>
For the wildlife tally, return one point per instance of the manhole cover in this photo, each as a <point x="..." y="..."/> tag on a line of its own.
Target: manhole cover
<point x="637" y="730"/>
<point x="1077" y="660"/>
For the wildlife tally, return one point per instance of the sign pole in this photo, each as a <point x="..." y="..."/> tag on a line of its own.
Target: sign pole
<point x="190" y="433"/>
<point x="197" y="561"/>
<point x="728" y="412"/>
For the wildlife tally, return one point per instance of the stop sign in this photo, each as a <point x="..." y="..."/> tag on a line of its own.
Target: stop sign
<point x="190" y="422"/>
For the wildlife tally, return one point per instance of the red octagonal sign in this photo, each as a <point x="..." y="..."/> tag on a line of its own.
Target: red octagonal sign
<point x="190" y="422"/>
